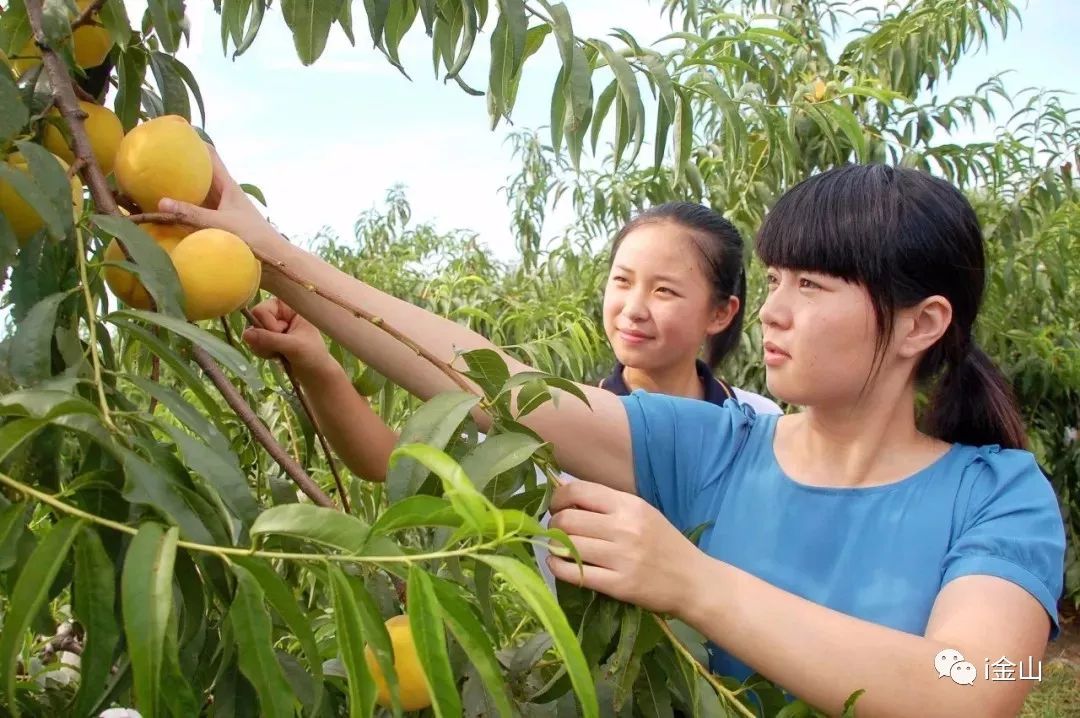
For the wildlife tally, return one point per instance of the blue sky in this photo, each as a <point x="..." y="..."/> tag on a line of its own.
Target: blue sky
<point x="326" y="142"/>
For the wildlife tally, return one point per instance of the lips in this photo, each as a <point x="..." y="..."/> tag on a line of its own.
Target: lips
<point x="632" y="336"/>
<point x="771" y="348"/>
<point x="774" y="355"/>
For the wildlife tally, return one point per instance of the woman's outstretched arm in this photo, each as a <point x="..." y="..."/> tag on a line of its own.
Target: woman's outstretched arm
<point x="591" y="443"/>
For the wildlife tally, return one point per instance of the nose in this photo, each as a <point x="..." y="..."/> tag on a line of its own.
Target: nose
<point x="775" y="311"/>
<point x="635" y="307"/>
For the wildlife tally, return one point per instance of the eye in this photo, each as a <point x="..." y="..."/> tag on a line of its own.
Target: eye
<point x="666" y="290"/>
<point x="808" y="283"/>
<point x="619" y="279"/>
<point x="771" y="279"/>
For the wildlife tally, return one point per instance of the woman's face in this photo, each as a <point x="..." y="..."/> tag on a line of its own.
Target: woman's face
<point x="820" y="336"/>
<point x="658" y="303"/>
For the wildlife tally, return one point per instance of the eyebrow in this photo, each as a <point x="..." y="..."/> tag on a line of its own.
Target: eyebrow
<point x="658" y="277"/>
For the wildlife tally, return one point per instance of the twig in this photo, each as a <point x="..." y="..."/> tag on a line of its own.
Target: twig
<point x="287" y="366"/>
<point x="86" y="17"/>
<point x="155" y="218"/>
<point x="228" y="332"/>
<point x="84" y="95"/>
<point x="258" y="428"/>
<point x="67" y="103"/>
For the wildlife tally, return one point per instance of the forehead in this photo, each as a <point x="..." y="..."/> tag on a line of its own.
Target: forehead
<point x="659" y="248"/>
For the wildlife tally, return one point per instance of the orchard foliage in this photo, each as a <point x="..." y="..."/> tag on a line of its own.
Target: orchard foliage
<point x="151" y="522"/>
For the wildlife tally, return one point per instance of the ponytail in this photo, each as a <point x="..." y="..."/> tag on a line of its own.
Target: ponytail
<point x="974" y="404"/>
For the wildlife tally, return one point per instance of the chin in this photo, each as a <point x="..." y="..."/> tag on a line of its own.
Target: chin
<point x="785" y="390"/>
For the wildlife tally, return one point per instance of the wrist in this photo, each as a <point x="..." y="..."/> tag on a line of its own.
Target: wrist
<point x="319" y="369"/>
<point x="712" y="593"/>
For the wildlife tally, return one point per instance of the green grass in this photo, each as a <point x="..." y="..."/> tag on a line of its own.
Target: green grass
<point x="1057" y="695"/>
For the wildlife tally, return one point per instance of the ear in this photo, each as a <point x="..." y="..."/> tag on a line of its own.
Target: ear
<point x="723" y="315"/>
<point x="924" y="324"/>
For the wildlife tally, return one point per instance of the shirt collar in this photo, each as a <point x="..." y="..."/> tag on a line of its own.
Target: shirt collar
<point x="715" y="392"/>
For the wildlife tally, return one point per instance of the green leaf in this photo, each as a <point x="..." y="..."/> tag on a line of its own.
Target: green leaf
<point x="113" y="16"/>
<point x="284" y="601"/>
<point x="651" y="692"/>
<point x="189" y="79"/>
<point x="849" y="125"/>
<point x="153" y="486"/>
<point x="310" y="22"/>
<point x="469" y="632"/>
<point x="556" y="382"/>
<point x="345" y="20"/>
<point x="31" y="188"/>
<point x="630" y="95"/>
<point x="469" y="503"/>
<point x="350" y="641"/>
<point x="13" y="520"/>
<point x="849" y="704"/>
<point x="377" y="636"/>
<point x="316" y="524"/>
<point x="166" y="16"/>
<point x="507" y="51"/>
<point x="13" y="113"/>
<point x="255" y="646"/>
<point x="31" y="347"/>
<point x="433" y="424"/>
<point x="29" y="594"/>
<point x="50" y="176"/>
<point x="254" y="191"/>
<point x="430" y="640"/>
<point x="487" y="369"/>
<point x="131" y="70"/>
<point x="146" y="602"/>
<point x="603" y="104"/>
<point x="220" y="469"/>
<point x="496" y="455"/>
<point x="151" y="263"/>
<point x="95" y="599"/>
<point x="179" y="698"/>
<point x="184" y="411"/>
<point x="174" y="96"/>
<point x="531" y="397"/>
<point x="165" y="352"/>
<point x="413" y="511"/>
<point x="231" y="358"/>
<point x="532" y="589"/>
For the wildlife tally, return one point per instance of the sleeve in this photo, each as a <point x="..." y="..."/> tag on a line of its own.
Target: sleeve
<point x="681" y="446"/>
<point x="1013" y="528"/>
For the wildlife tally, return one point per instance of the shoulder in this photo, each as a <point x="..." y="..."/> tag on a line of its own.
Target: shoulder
<point x="761" y="404"/>
<point x="1008" y="524"/>
<point x="991" y="473"/>
<point x="689" y="422"/>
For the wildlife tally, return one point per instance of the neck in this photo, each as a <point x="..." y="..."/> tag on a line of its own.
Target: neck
<point x="677" y="380"/>
<point x="874" y="442"/>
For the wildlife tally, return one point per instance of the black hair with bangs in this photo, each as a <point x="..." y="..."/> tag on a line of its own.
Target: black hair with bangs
<point x="905" y="236"/>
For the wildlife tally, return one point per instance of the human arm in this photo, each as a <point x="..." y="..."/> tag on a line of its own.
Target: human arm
<point x="357" y="434"/>
<point x="1000" y="581"/>
<point x="591" y="443"/>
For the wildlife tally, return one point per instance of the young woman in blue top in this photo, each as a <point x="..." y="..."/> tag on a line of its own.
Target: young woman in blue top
<point x="849" y="544"/>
